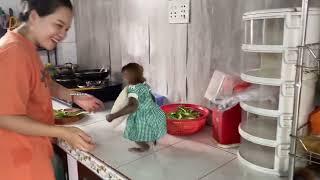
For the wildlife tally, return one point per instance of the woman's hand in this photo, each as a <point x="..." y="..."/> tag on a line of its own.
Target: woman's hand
<point x="77" y="138"/>
<point x="85" y="101"/>
<point x="88" y="103"/>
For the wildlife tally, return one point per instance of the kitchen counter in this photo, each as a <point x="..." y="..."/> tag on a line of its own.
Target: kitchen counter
<point x="186" y="158"/>
<point x="88" y="159"/>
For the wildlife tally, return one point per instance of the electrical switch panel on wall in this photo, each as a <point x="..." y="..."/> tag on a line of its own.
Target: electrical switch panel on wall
<point x="179" y="11"/>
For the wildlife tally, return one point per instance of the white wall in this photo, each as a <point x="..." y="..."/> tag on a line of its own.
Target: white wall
<point x="66" y="50"/>
<point x="6" y="4"/>
<point x="179" y="59"/>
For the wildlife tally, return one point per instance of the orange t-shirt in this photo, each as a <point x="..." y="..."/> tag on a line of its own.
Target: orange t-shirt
<point x="24" y="91"/>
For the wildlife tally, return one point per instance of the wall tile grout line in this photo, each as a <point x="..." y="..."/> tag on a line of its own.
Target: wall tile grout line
<point x="149" y="42"/>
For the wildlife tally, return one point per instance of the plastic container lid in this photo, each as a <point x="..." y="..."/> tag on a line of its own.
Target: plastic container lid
<point x="277" y="12"/>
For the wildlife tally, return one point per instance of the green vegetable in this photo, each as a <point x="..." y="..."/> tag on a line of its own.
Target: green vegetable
<point x="61" y="113"/>
<point x="183" y="113"/>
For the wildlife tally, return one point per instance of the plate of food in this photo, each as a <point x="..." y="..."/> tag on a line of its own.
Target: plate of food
<point x="68" y="116"/>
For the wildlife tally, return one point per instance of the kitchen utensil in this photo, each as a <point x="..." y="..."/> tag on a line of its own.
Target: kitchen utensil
<point x="13" y="21"/>
<point x="82" y="112"/>
<point x="73" y="67"/>
<point x="66" y="71"/>
<point x="102" y="69"/>
<point x="81" y="88"/>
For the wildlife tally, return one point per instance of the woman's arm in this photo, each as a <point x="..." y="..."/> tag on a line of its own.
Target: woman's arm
<point x="60" y="92"/>
<point x="128" y="109"/>
<point x="85" y="101"/>
<point x="26" y="126"/>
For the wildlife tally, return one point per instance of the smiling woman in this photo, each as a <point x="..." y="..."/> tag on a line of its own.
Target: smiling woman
<point x="26" y="115"/>
<point x="50" y="20"/>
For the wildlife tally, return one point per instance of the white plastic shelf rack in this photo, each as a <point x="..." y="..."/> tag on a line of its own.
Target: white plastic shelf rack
<point x="270" y="52"/>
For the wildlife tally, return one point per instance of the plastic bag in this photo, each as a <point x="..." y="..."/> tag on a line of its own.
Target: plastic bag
<point x="121" y="101"/>
<point x="221" y="85"/>
<point x="253" y="93"/>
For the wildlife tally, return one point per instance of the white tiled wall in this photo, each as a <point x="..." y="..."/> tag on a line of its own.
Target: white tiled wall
<point x="71" y="36"/>
<point x="14" y="4"/>
<point x="67" y="50"/>
<point x="67" y="53"/>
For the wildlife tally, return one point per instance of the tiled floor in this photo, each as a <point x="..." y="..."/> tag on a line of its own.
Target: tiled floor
<point x="234" y="170"/>
<point x="185" y="160"/>
<point x="175" y="158"/>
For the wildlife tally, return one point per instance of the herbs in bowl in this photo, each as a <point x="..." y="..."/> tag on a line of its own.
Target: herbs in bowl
<point x="184" y="113"/>
<point x="67" y="116"/>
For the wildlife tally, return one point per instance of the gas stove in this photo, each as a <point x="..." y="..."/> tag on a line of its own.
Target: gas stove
<point x="104" y="91"/>
<point x="91" y="81"/>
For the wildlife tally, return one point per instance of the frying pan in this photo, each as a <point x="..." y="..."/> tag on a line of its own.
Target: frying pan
<point x="92" y="74"/>
<point x="68" y="83"/>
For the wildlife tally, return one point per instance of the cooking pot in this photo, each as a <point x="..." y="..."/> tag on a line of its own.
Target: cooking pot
<point x="73" y="67"/>
<point x="66" y="71"/>
<point x="67" y="68"/>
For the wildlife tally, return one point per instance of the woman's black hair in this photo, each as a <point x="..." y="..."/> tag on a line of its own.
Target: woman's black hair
<point x="137" y="71"/>
<point x="42" y="7"/>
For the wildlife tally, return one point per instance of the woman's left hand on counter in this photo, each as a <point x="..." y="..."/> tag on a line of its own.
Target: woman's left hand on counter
<point x="77" y="138"/>
<point x="88" y="103"/>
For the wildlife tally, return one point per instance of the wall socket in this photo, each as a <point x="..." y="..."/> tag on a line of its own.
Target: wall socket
<point x="179" y="11"/>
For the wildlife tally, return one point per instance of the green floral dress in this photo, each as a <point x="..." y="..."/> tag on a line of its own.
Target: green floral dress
<point x="148" y="123"/>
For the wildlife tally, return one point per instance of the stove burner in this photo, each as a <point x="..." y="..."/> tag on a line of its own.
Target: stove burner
<point x="93" y="84"/>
